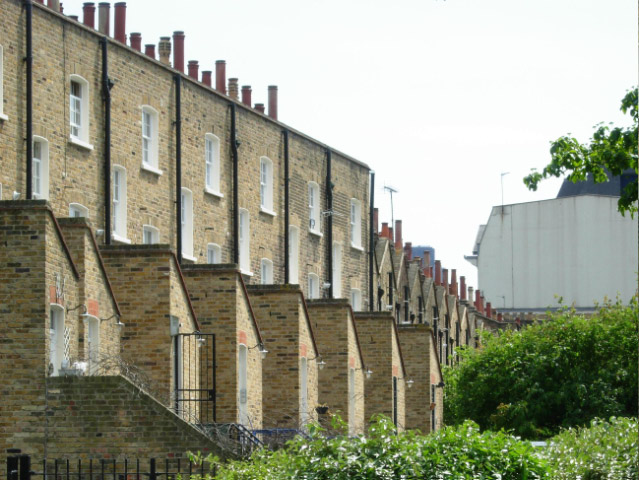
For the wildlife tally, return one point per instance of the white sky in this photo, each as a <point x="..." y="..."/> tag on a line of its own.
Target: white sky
<point x="438" y="97"/>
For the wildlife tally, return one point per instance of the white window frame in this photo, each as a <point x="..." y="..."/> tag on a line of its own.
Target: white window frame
<point x="266" y="186"/>
<point x="78" y="210"/>
<point x="119" y="204"/>
<point x="93" y="338"/>
<point x="266" y="271"/>
<point x="356" y="299"/>
<point x="56" y="337"/>
<point x="293" y="254"/>
<point x="187" y="224"/>
<point x="3" y="116"/>
<point x="242" y="384"/>
<point x="314" y="212"/>
<point x="213" y="253"/>
<point x="304" y="413"/>
<point x="212" y="165"/>
<point x="149" y="232"/>
<point x="40" y="168"/>
<point x="79" y="130"/>
<point x="150" y="143"/>
<point x="244" y="224"/>
<point x="356" y="224"/>
<point x="313" y="286"/>
<point x="351" y="401"/>
<point x="337" y="270"/>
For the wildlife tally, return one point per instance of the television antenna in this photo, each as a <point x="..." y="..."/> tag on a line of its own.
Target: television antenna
<point x="391" y="190"/>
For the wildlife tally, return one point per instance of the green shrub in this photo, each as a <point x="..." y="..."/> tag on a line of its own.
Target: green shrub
<point x="605" y="450"/>
<point x="558" y="374"/>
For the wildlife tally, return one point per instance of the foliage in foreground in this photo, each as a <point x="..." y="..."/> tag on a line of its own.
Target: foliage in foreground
<point x="612" y="148"/>
<point x="460" y="452"/>
<point x="559" y="374"/>
<point x="605" y="450"/>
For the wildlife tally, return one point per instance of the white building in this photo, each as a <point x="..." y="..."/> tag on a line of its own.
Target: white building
<point x="579" y="248"/>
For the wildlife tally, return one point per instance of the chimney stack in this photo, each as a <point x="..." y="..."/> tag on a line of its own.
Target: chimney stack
<point x="194" y="69"/>
<point x="164" y="48"/>
<point x="482" y="305"/>
<point x="430" y="272"/>
<point x="470" y="296"/>
<point x="246" y="95"/>
<point x="149" y="50"/>
<point x="54" y="5"/>
<point x="398" y="235"/>
<point x="500" y="317"/>
<point x="385" y="231"/>
<point x="260" y="107"/>
<point x="88" y="14"/>
<point x="462" y="288"/>
<point x="104" y="13"/>
<point x="73" y="17"/>
<point x="391" y="235"/>
<point x="136" y="41"/>
<point x="376" y="221"/>
<point x="438" y="272"/>
<point x="453" y="282"/>
<point x="272" y="101"/>
<point x="489" y="311"/>
<point x="120" y="22"/>
<point x="178" y="50"/>
<point x="478" y="300"/>
<point x="445" y="272"/>
<point x="233" y="87"/>
<point x="408" y="251"/>
<point x="220" y="77"/>
<point x="207" y="77"/>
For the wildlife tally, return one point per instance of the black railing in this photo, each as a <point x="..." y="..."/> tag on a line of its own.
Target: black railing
<point x="22" y="467"/>
<point x="194" y="377"/>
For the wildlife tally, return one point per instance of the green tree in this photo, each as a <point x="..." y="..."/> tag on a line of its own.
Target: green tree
<point x="561" y="373"/>
<point x="612" y="148"/>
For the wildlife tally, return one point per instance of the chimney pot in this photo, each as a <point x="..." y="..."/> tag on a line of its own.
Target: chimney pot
<point x="178" y="50"/>
<point x="149" y="50"/>
<point x="438" y="272"/>
<point x="462" y="288"/>
<point x="220" y="77"/>
<point x="385" y="230"/>
<point x="120" y="22"/>
<point x="233" y="87"/>
<point x="500" y="317"/>
<point x="453" y="283"/>
<point x="88" y="14"/>
<point x="489" y="311"/>
<point x="207" y="76"/>
<point x="54" y="5"/>
<point x="272" y="101"/>
<point x="194" y="68"/>
<point x="398" y="235"/>
<point x="260" y="107"/>
<point x="427" y="258"/>
<point x="164" y="48"/>
<point x="376" y="221"/>
<point x="445" y="272"/>
<point x="73" y="17"/>
<point x="104" y="13"/>
<point x="136" y="41"/>
<point x="246" y="95"/>
<point x="408" y="251"/>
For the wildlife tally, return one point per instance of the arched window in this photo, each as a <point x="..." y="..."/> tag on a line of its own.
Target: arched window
<point x="150" y="161"/>
<point x="313" y="286"/>
<point x="93" y="324"/>
<point x="266" y="185"/>
<point x="266" y="272"/>
<point x="212" y="164"/>
<point x="242" y="382"/>
<point x="213" y="253"/>
<point x="40" y="168"/>
<point x="77" y="210"/>
<point x="79" y="111"/>
<point x="293" y="254"/>
<point x="57" y="352"/>
<point x="304" y="416"/>
<point x="356" y="223"/>
<point x="356" y="299"/>
<point x="314" y="208"/>
<point x="150" y="235"/>
<point x="119" y="210"/>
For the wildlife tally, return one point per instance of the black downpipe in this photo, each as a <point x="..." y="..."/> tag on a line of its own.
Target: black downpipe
<point x="286" y="208"/>
<point x="106" y="95"/>
<point x="329" y="223"/>
<point x="371" y="246"/>
<point x="178" y="163"/>
<point x="236" y="211"/>
<point x="29" y="61"/>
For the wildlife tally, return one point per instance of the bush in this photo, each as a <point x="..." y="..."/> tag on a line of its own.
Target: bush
<point x="606" y="450"/>
<point x="453" y="453"/>
<point x="558" y="374"/>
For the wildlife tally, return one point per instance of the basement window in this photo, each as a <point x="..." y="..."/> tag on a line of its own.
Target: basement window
<point x="40" y="168"/>
<point x="150" y="140"/>
<point x="79" y="111"/>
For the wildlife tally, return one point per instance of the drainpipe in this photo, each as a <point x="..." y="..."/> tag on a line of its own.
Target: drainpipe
<point x="106" y="96"/>
<point x="371" y="245"/>
<point x="29" y="60"/>
<point x="286" y="207"/>
<point x="178" y="163"/>
<point x="329" y="217"/>
<point x="236" y="212"/>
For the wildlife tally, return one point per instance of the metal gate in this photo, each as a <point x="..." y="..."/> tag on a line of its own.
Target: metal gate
<point x="194" y="377"/>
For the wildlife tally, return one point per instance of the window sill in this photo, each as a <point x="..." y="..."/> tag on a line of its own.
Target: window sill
<point x="151" y="169"/>
<point x="80" y="143"/>
<point x="357" y="247"/>
<point x="317" y="233"/>
<point x="3" y="117"/>
<point x="246" y="272"/>
<point x="189" y="258"/>
<point x="268" y="212"/>
<point x="120" y="239"/>
<point x="215" y="193"/>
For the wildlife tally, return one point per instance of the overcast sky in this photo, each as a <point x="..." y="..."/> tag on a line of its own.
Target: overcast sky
<point x="438" y="97"/>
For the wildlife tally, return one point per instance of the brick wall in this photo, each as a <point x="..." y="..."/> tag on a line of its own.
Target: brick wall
<point x="287" y="334"/>
<point x="337" y="340"/>
<point x="223" y="308"/>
